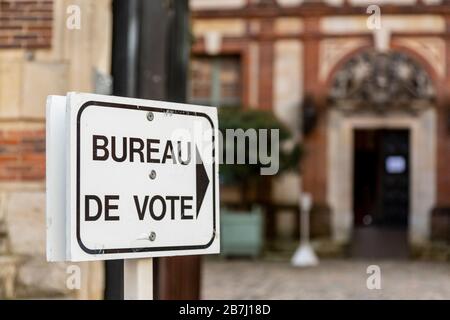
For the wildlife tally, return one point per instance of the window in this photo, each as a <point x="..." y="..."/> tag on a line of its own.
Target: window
<point x="215" y="81"/>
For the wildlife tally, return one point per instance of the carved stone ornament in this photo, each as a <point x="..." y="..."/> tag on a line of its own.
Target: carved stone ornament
<point x="381" y="82"/>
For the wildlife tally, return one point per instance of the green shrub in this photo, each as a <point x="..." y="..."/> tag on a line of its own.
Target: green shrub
<point x="240" y="118"/>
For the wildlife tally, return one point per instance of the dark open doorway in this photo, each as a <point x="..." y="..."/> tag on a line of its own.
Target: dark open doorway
<point x="381" y="183"/>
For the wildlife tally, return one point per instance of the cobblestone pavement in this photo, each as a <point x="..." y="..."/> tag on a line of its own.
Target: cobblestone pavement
<point x="332" y="279"/>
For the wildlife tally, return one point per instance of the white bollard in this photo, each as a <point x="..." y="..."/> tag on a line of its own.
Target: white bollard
<point x="304" y="256"/>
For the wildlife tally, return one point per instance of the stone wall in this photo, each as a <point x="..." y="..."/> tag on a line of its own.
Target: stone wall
<point x="28" y="74"/>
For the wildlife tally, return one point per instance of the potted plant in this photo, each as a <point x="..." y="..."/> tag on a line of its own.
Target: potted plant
<point x="242" y="219"/>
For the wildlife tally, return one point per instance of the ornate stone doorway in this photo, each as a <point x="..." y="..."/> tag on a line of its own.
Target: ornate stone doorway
<point x="390" y="92"/>
<point x="422" y="187"/>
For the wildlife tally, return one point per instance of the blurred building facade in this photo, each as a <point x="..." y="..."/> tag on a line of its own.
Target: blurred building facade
<point x="43" y="51"/>
<point x="364" y="84"/>
<point x="370" y="104"/>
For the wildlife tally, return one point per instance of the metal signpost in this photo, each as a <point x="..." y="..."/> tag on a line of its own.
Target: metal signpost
<point x="130" y="179"/>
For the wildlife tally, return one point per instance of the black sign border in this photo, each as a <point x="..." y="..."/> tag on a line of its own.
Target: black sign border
<point x="141" y="249"/>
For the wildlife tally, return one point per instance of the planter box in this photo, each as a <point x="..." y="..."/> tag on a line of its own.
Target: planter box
<point x="241" y="232"/>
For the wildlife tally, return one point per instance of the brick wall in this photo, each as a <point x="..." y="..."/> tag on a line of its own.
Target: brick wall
<point x="22" y="155"/>
<point x="266" y="61"/>
<point x="25" y="23"/>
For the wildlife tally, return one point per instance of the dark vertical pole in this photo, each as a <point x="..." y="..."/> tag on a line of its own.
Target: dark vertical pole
<point x="178" y="50"/>
<point x="150" y="61"/>
<point x="126" y="30"/>
<point x="126" y="20"/>
<point x="152" y="54"/>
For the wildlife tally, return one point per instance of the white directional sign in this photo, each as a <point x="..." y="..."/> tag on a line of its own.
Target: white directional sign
<point x="141" y="178"/>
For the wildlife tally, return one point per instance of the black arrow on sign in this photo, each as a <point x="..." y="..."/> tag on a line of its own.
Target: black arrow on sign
<point x="202" y="181"/>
